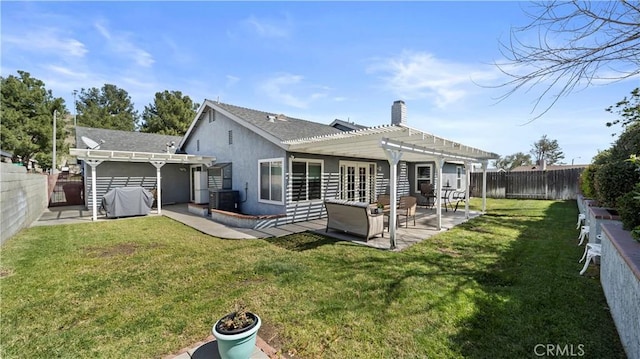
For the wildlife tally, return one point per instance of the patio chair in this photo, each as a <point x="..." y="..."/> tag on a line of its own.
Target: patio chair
<point x="593" y="251"/>
<point x="384" y="200"/>
<point x="584" y="233"/>
<point x="428" y="192"/>
<point x="581" y="217"/>
<point x="589" y="246"/>
<point x="407" y="208"/>
<point x="460" y="196"/>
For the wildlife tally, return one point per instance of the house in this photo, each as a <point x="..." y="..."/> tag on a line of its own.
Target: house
<point x="112" y="158"/>
<point x="285" y="167"/>
<point x="547" y="167"/>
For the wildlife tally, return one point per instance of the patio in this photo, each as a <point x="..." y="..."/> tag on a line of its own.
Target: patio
<point x="426" y="221"/>
<point x="425" y="227"/>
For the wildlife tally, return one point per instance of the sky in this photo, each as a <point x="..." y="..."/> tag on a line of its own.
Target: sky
<point x="317" y="61"/>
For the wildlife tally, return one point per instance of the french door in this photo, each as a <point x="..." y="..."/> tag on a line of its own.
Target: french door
<point x="358" y="181"/>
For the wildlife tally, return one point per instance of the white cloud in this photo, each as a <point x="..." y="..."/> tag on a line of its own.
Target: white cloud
<point x="121" y="45"/>
<point x="279" y="88"/>
<point x="293" y="91"/>
<point x="232" y="80"/>
<point x="418" y="75"/>
<point x="46" y="40"/>
<point x="269" y="28"/>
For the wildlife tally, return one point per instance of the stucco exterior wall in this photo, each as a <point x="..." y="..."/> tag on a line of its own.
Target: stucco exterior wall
<point x="621" y="287"/>
<point x="23" y="197"/>
<point x="175" y="182"/>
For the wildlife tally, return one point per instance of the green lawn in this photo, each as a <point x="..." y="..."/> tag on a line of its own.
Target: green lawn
<point x="494" y="287"/>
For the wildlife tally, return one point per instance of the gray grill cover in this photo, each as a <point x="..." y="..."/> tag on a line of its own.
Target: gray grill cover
<point x="127" y="201"/>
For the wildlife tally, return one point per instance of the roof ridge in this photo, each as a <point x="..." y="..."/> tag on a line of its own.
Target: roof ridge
<point x="343" y="133"/>
<point x="266" y="112"/>
<point x="125" y="131"/>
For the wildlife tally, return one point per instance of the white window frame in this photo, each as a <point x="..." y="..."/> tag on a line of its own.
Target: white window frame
<point x="283" y="190"/>
<point x="370" y="182"/>
<point x="459" y="176"/>
<point x="416" y="178"/>
<point x="307" y="161"/>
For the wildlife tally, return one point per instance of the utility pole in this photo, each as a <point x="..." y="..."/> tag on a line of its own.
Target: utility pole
<point x="53" y="162"/>
<point x="75" y="108"/>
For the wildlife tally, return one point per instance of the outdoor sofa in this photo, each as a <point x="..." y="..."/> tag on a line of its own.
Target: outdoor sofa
<point x="353" y="218"/>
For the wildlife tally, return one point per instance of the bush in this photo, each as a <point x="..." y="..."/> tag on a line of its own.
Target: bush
<point x="587" y="181"/>
<point x="614" y="175"/>
<point x="629" y="209"/>
<point x="614" y="180"/>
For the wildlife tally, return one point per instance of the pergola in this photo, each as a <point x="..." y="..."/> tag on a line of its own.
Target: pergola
<point x="94" y="157"/>
<point x="395" y="143"/>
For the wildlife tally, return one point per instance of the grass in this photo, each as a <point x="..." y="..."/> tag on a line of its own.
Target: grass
<point x="494" y="287"/>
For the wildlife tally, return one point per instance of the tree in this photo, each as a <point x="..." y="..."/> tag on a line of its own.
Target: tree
<point x="171" y="113"/>
<point x="575" y="43"/>
<point x="510" y="162"/>
<point x="628" y="109"/>
<point x="108" y="107"/>
<point x="27" y="118"/>
<point x="548" y="150"/>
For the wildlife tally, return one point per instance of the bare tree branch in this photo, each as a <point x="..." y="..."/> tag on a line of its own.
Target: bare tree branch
<point x="577" y="43"/>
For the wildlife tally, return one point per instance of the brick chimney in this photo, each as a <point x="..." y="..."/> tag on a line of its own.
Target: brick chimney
<point x="399" y="113"/>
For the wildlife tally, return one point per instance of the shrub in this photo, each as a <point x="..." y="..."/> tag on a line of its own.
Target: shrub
<point x="615" y="176"/>
<point x="613" y="180"/>
<point x="587" y="181"/>
<point x="629" y="209"/>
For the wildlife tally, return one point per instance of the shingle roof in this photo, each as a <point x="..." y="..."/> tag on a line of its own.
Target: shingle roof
<point x="125" y="140"/>
<point x="282" y="127"/>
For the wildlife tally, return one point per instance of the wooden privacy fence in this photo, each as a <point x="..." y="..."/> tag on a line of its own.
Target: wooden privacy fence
<point x="555" y="184"/>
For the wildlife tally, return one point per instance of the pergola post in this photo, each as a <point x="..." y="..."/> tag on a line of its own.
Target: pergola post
<point x="439" y="164"/>
<point x="485" y="163"/>
<point x="94" y="192"/>
<point x="467" y="193"/>
<point x="158" y="165"/>
<point x="393" y="156"/>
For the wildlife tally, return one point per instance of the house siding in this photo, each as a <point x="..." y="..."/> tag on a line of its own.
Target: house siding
<point x="110" y="175"/>
<point x="448" y="174"/>
<point x="244" y="153"/>
<point x="314" y="209"/>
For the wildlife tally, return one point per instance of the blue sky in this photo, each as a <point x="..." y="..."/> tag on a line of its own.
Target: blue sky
<point x="313" y="60"/>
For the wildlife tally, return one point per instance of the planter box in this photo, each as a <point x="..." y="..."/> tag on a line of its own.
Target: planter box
<point x="596" y="217"/>
<point x="199" y="209"/>
<point x="620" y="278"/>
<point x="240" y="220"/>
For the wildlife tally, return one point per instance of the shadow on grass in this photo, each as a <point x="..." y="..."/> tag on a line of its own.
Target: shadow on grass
<point x="302" y="241"/>
<point x="509" y="280"/>
<point x="536" y="300"/>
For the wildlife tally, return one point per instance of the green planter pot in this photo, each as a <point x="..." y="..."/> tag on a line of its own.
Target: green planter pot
<point x="238" y="344"/>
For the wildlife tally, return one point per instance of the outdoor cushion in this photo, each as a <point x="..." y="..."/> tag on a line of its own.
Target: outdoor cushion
<point x="354" y="218"/>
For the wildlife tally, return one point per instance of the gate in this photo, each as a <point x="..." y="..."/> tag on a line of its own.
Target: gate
<point x="67" y="191"/>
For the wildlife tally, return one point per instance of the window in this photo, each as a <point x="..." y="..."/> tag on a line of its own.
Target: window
<point x="211" y="114"/>
<point x="458" y="177"/>
<point x="197" y="145"/>
<point x="230" y="137"/>
<point x="270" y="180"/>
<point x="423" y="175"/>
<point x="306" y="180"/>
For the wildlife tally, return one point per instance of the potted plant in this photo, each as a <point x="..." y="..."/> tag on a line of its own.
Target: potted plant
<point x="380" y="208"/>
<point x="236" y="333"/>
